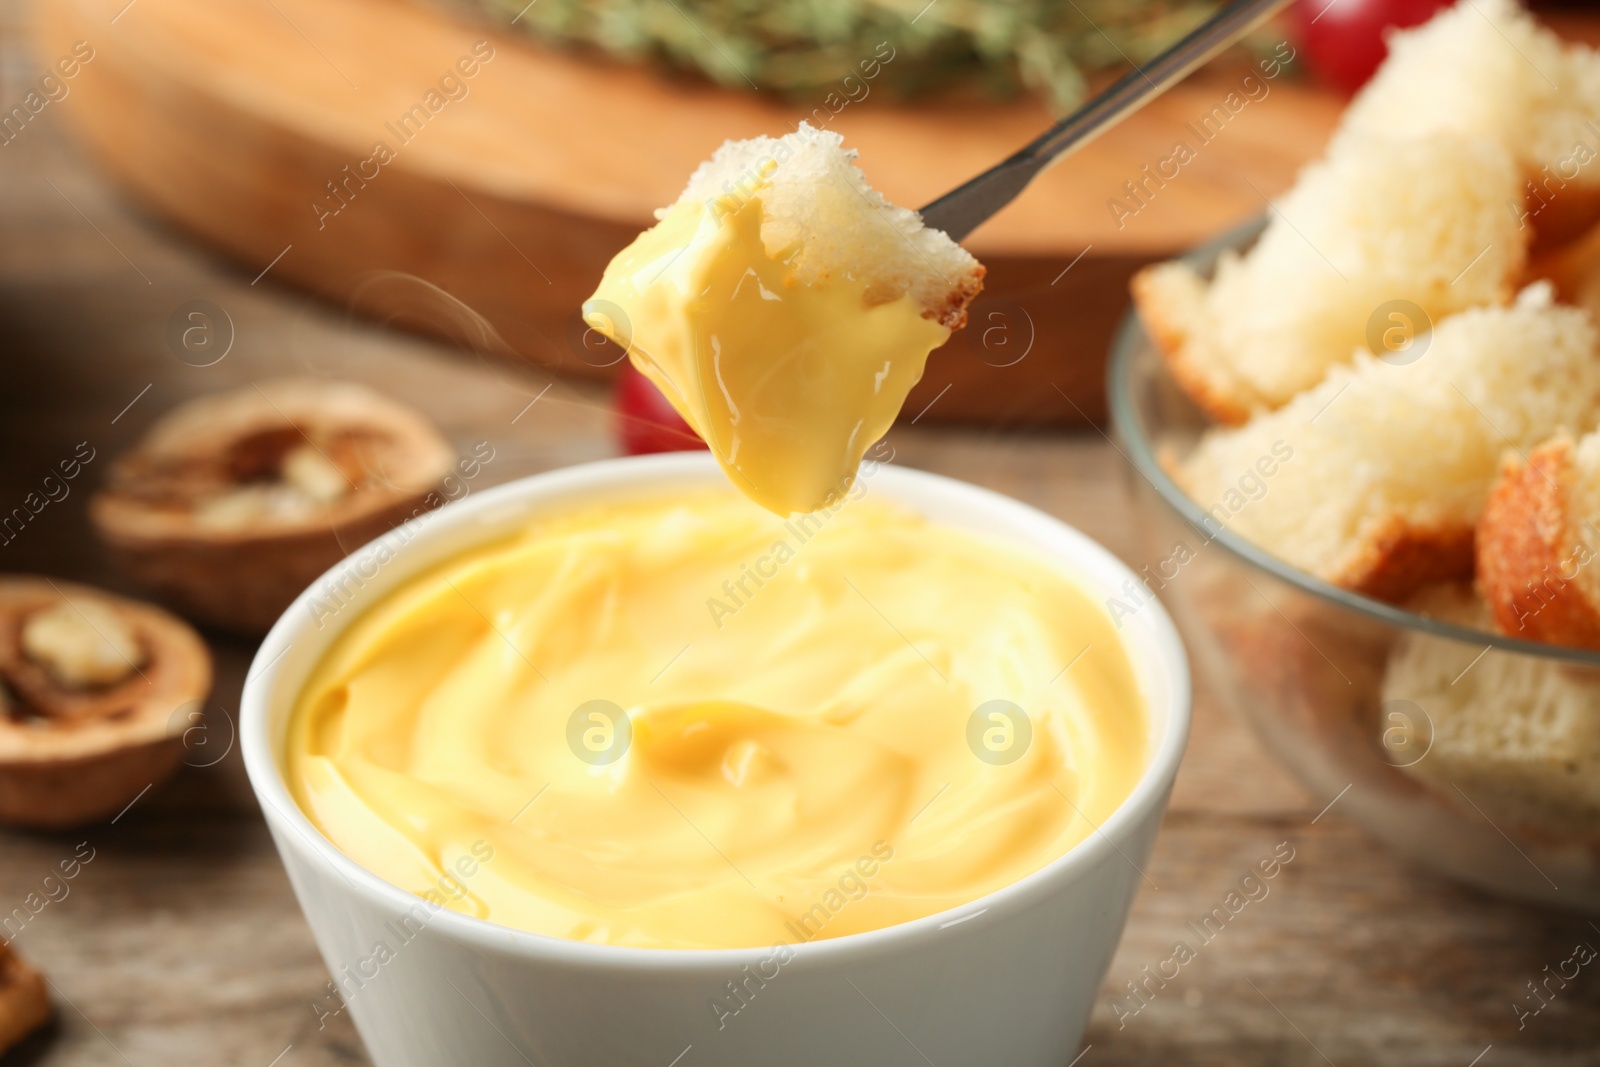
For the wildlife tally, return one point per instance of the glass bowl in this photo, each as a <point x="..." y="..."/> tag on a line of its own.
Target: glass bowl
<point x="1470" y="753"/>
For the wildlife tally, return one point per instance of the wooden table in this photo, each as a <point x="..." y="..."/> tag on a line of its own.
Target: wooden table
<point x="180" y="944"/>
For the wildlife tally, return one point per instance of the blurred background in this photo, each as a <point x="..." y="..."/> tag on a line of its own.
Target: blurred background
<point x="332" y="192"/>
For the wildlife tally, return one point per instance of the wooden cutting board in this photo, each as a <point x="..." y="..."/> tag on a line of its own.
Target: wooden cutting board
<point x="341" y="145"/>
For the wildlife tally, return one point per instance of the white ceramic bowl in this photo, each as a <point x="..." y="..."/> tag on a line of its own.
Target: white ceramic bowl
<point x="1007" y="979"/>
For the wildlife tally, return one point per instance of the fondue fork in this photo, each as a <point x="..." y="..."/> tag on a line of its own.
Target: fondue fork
<point x="968" y="206"/>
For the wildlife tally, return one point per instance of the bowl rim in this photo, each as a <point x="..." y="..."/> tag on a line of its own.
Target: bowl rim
<point x="1130" y="341"/>
<point x="1148" y="797"/>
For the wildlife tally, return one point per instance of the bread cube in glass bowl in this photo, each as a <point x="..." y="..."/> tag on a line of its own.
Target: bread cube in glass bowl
<point x="1469" y="752"/>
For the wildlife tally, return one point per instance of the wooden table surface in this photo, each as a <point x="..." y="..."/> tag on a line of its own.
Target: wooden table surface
<point x="180" y="943"/>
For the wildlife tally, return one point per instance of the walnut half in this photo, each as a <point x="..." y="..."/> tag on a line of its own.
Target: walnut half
<point x="234" y="503"/>
<point x="97" y="691"/>
<point x="24" y="1003"/>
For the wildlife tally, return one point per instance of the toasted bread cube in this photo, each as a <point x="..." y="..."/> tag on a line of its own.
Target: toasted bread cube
<point x="1487" y="68"/>
<point x="1422" y="221"/>
<point x="1538" y="543"/>
<point x="817" y="205"/>
<point x="785" y="309"/>
<point x="1512" y="735"/>
<point x="1383" y="469"/>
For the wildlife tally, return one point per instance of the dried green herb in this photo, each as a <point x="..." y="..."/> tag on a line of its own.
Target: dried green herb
<point x="800" y="48"/>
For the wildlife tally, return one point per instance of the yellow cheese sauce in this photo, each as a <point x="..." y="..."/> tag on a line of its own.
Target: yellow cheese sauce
<point x="788" y="383"/>
<point x="688" y="723"/>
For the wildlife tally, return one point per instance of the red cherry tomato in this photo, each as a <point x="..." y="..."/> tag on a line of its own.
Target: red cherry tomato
<point x="1342" y="40"/>
<point x="645" y="421"/>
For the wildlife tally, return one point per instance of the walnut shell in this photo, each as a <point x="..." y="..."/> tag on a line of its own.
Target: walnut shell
<point x="203" y="512"/>
<point x="69" y="757"/>
<point x="24" y="1003"/>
